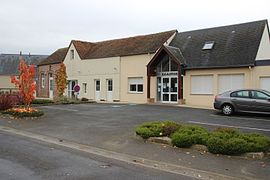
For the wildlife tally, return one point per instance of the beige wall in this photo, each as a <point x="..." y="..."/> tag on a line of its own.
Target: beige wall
<point x="207" y="100"/>
<point x="264" y="48"/>
<point x="251" y="80"/>
<point x="5" y="82"/>
<point x="86" y="71"/>
<point x="134" y="66"/>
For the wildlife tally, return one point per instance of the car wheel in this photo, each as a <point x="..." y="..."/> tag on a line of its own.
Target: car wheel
<point x="227" y="109"/>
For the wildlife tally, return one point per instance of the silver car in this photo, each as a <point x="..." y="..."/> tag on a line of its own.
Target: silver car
<point x="243" y="100"/>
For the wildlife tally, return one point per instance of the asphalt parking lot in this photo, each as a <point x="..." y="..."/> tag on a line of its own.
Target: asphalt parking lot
<point x="130" y="115"/>
<point x="111" y="127"/>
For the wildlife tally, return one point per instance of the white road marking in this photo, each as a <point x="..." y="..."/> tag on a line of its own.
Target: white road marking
<point x="59" y="108"/>
<point x="223" y="125"/>
<point x="253" y="119"/>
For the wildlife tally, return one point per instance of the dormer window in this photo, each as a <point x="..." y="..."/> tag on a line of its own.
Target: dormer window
<point x="208" y="45"/>
<point x="72" y="54"/>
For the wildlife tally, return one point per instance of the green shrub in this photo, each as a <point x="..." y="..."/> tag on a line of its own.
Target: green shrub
<point x="43" y="101"/>
<point x="181" y="140"/>
<point x="149" y="129"/>
<point x="199" y="135"/>
<point x="232" y="142"/>
<point x="232" y="146"/>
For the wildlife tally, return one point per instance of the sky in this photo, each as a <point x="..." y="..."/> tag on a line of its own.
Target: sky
<point x="42" y="26"/>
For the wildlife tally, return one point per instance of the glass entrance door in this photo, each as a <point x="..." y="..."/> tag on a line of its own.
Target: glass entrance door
<point x="169" y="90"/>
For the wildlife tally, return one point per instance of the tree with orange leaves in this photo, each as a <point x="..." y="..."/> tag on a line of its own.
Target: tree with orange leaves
<point x="61" y="79"/>
<point x="25" y="83"/>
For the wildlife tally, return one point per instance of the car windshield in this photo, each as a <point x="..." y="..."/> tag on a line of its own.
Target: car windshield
<point x="267" y="92"/>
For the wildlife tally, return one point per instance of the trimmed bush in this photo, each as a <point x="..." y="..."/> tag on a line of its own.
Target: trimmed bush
<point x="232" y="142"/>
<point x="182" y="140"/>
<point x="42" y="101"/>
<point x="21" y="112"/>
<point x="197" y="134"/>
<point x="157" y="129"/>
<point x="8" y="101"/>
<point x="149" y="129"/>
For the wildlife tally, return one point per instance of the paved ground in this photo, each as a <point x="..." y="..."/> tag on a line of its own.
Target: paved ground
<point x="111" y="126"/>
<point x="26" y="159"/>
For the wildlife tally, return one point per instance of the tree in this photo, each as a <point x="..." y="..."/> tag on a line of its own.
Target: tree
<point x="25" y="83"/>
<point x="61" y="79"/>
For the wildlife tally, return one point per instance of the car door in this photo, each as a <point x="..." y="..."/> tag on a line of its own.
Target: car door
<point x="241" y="100"/>
<point x="261" y="101"/>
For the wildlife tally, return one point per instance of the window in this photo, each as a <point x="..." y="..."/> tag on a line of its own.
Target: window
<point x="135" y="85"/>
<point x="110" y="84"/>
<point x="230" y="82"/>
<point x="85" y="87"/>
<point x="72" y="54"/>
<point x="42" y="80"/>
<point x="202" y="84"/>
<point x="240" y="94"/>
<point x="259" y="95"/>
<point x="208" y="45"/>
<point x="265" y="83"/>
<point x="97" y="85"/>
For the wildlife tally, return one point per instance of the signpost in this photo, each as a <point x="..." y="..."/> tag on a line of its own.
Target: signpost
<point x="76" y="90"/>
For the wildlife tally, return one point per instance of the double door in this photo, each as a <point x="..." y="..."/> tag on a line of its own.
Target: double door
<point x="169" y="89"/>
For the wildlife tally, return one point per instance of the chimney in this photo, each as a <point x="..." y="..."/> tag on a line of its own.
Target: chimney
<point x="20" y="57"/>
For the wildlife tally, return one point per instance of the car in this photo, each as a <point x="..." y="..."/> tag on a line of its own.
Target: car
<point x="243" y="100"/>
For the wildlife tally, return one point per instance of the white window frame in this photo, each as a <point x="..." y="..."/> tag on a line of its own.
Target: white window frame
<point x="137" y="81"/>
<point x="204" y="84"/>
<point x="42" y="80"/>
<point x="266" y="78"/>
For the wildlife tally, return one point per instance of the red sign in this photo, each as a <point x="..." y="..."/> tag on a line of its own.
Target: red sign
<point x="76" y="88"/>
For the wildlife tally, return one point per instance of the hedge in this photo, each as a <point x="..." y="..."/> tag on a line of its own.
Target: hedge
<point x="221" y="141"/>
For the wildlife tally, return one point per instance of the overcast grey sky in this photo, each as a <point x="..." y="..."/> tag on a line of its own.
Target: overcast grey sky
<point x="42" y="26"/>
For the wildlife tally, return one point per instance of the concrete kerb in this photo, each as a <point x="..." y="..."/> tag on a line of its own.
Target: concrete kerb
<point x="162" y="166"/>
<point x="198" y="147"/>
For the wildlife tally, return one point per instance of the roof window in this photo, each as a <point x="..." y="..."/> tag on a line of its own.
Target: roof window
<point x="208" y="45"/>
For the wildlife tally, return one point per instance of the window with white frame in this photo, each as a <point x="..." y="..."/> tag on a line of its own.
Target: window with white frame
<point x="202" y="84"/>
<point x="265" y="83"/>
<point x="42" y="80"/>
<point x="72" y="54"/>
<point x="85" y="87"/>
<point x="135" y="84"/>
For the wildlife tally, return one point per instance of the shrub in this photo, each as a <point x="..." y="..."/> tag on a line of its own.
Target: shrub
<point x="198" y="135"/>
<point x="84" y="99"/>
<point x="169" y="127"/>
<point x="7" y="101"/>
<point x="22" y="112"/>
<point x="232" y="142"/>
<point x="149" y="129"/>
<point x="181" y="140"/>
<point x="43" y="101"/>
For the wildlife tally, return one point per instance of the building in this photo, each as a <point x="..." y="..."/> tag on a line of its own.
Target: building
<point x="47" y="68"/>
<point x="197" y="65"/>
<point x="113" y="70"/>
<point x="9" y="64"/>
<point x="172" y="67"/>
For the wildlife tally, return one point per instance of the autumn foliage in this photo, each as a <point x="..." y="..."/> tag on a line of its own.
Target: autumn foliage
<point x="25" y="83"/>
<point x="61" y="79"/>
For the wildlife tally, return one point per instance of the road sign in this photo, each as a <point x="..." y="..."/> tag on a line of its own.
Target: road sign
<point x="76" y="88"/>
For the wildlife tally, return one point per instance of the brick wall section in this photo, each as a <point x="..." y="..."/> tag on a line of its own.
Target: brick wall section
<point x="46" y="70"/>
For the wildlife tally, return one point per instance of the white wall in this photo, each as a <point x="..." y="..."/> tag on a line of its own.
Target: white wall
<point x="264" y="48"/>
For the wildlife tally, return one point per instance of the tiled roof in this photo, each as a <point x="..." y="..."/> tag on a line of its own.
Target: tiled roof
<point x="9" y="63"/>
<point x="122" y="47"/>
<point x="234" y="45"/>
<point x="56" y="57"/>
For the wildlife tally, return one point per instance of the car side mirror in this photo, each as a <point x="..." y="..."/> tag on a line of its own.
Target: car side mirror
<point x="268" y="99"/>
